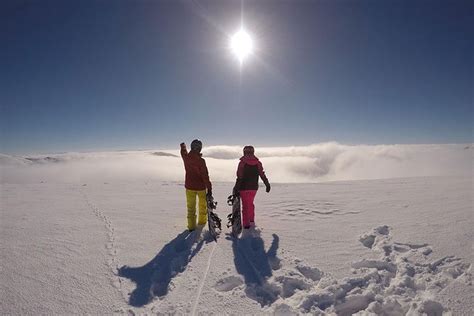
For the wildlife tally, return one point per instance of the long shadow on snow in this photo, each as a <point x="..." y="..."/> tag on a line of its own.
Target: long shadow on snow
<point x="256" y="265"/>
<point x="153" y="278"/>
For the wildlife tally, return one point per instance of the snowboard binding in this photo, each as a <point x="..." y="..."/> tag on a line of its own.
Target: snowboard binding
<point x="214" y="222"/>
<point x="231" y="199"/>
<point x="234" y="218"/>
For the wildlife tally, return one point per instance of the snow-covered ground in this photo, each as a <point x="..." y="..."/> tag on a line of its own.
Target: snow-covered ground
<point x="77" y="243"/>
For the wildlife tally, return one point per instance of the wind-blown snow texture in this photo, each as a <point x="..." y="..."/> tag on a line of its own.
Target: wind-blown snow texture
<point x="97" y="244"/>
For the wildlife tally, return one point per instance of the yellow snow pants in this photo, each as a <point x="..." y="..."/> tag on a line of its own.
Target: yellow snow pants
<point x="191" y="204"/>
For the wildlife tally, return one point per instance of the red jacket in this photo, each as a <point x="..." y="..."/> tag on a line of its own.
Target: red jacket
<point x="197" y="176"/>
<point x="250" y="168"/>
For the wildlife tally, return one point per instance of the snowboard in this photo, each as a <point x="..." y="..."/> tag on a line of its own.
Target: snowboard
<point x="234" y="218"/>
<point x="213" y="221"/>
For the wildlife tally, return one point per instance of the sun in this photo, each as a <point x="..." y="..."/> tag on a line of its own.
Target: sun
<point x="241" y="45"/>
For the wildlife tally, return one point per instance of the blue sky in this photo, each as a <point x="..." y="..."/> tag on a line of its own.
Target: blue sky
<point x="101" y="75"/>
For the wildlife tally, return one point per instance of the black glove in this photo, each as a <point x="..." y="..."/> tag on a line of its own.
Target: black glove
<point x="267" y="189"/>
<point x="209" y="193"/>
<point x="236" y="189"/>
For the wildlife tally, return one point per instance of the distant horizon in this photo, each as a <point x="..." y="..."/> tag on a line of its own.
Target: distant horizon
<point x="302" y="164"/>
<point x="177" y="148"/>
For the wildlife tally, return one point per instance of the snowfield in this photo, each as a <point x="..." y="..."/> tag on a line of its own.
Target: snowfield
<point x="79" y="238"/>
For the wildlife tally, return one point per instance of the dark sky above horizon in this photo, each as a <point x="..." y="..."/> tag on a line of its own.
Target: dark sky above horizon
<point x="97" y="75"/>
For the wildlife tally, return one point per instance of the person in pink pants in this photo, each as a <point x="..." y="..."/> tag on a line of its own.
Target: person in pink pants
<point x="246" y="185"/>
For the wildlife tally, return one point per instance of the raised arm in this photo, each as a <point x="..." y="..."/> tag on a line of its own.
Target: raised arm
<point x="184" y="151"/>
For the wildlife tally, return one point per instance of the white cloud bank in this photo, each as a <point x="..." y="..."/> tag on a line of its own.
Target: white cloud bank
<point x="314" y="163"/>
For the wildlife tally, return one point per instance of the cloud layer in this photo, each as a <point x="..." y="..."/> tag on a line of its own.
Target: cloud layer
<point x="313" y="163"/>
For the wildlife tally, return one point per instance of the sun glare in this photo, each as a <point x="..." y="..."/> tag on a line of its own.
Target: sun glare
<point x="241" y="45"/>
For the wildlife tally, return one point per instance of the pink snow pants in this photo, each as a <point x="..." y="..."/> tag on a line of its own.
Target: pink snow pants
<point x="248" y="208"/>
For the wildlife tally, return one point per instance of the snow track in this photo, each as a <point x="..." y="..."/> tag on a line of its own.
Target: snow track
<point x="112" y="250"/>
<point x="201" y="285"/>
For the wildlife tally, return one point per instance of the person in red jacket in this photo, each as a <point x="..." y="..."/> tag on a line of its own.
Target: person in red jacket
<point x="246" y="185"/>
<point x="196" y="183"/>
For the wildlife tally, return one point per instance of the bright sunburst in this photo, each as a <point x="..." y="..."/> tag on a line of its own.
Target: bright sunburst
<point x="241" y="45"/>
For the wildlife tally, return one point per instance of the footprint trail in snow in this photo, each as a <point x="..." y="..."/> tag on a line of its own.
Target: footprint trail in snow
<point x="403" y="280"/>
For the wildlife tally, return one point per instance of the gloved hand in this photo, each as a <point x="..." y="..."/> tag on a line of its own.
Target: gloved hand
<point x="267" y="189"/>
<point x="209" y="193"/>
<point x="182" y="145"/>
